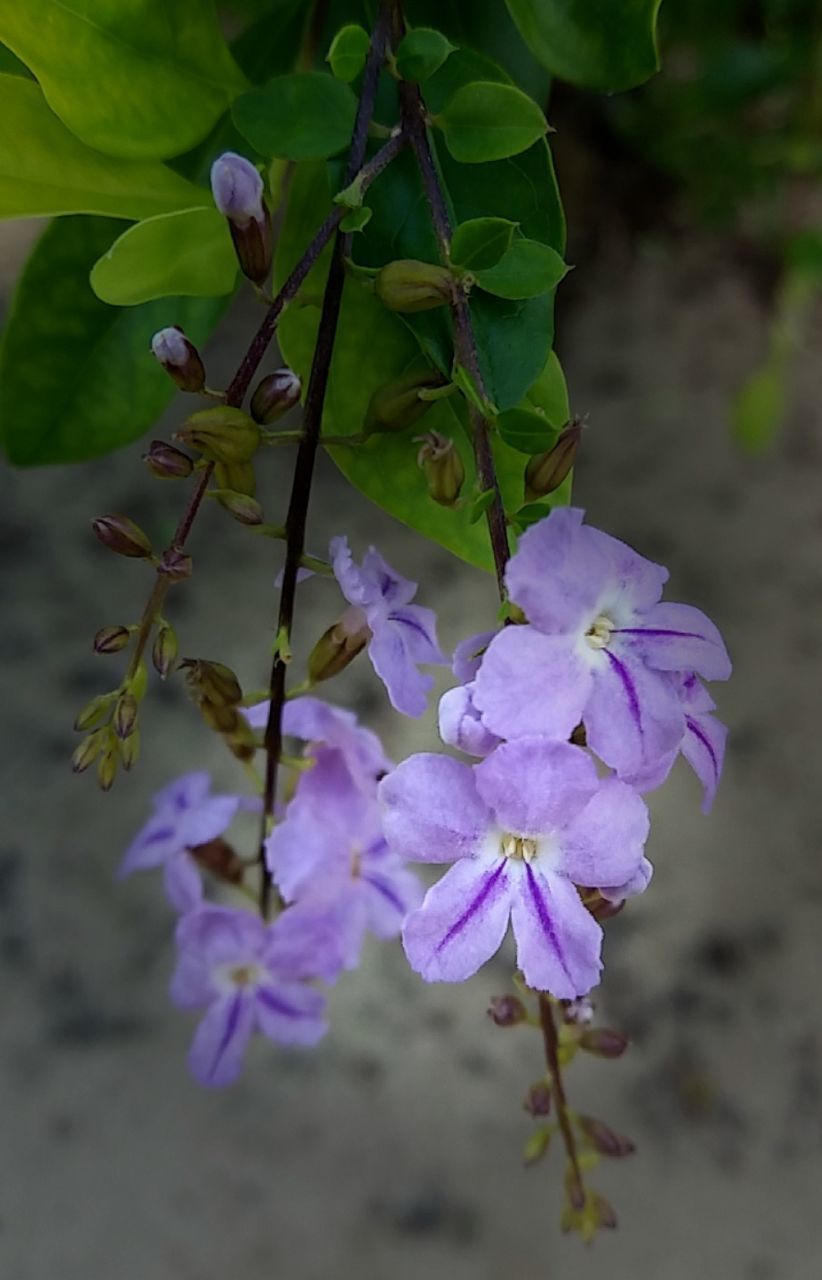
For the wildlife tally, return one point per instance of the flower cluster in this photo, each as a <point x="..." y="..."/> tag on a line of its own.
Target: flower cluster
<point x="531" y="829"/>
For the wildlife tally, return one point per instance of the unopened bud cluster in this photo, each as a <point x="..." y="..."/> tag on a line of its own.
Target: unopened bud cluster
<point x="109" y="722"/>
<point x="217" y="693"/>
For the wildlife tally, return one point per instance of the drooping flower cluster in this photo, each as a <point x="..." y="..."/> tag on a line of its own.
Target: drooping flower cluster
<point x="599" y="659"/>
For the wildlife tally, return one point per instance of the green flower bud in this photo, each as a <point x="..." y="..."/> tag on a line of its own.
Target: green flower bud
<point x="397" y="404"/>
<point x="212" y="681"/>
<point x="125" y="715"/>
<point x="244" y="509"/>
<point x="407" y="285"/>
<point x="164" y="650"/>
<point x="537" y="1146"/>
<point x="442" y="467"/>
<point x="122" y="535"/>
<point x="94" y="712"/>
<point x="111" y="639"/>
<point x="275" y="394"/>
<point x="166" y="462"/>
<point x="545" y="472"/>
<point x="88" y="750"/>
<point x="221" y="434"/>
<point x="339" y="645"/>
<point x="237" y="476"/>
<point x="130" y="750"/>
<point x="108" y="762"/>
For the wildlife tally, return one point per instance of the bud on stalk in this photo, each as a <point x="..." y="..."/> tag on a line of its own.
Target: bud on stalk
<point x="175" y="564"/>
<point x="166" y="462"/>
<point x="237" y="476"/>
<point x="538" y="1099"/>
<point x="442" y="467"/>
<point x="164" y="650"/>
<point x="407" y="286"/>
<point x="123" y="536"/>
<point x="179" y="357"/>
<point x="222" y="434"/>
<point x="604" y="1140"/>
<point x="111" y="639"/>
<point x="603" y="1043"/>
<point x="238" y="194"/>
<point x="275" y="394"/>
<point x="244" y="509"/>
<point x="339" y="645"/>
<point x="94" y="712"/>
<point x="398" y="405"/>
<point x="507" y="1011"/>
<point x="125" y="715"/>
<point x="545" y="472"/>
<point x="213" y="681"/>
<point x="107" y="764"/>
<point x="88" y="750"/>
<point x="130" y="750"/>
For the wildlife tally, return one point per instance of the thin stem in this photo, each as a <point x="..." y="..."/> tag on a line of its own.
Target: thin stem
<point x="551" y="1043"/>
<point x="312" y="424"/>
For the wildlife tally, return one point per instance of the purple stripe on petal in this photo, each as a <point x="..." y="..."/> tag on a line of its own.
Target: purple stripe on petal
<point x="387" y="892"/>
<point x="546" y="923"/>
<point x="630" y="690"/>
<point x="156" y="837"/>
<point x="472" y="909"/>
<point x="703" y="738"/>
<point x="276" y="1005"/>
<point x="403" y="620"/>
<point x="231" y="1024"/>
<point x="658" y="631"/>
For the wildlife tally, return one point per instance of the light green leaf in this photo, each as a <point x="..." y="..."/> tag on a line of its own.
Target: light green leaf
<point x="356" y="219"/>
<point x="481" y="242"/>
<point x="348" y="52"/>
<point x="549" y="394"/>
<point x="135" y="78"/>
<point x="77" y="378"/>
<point x="44" y="169"/>
<point x="528" y="269"/>
<point x="526" y="430"/>
<point x="490" y="121"/>
<point x="184" y="254"/>
<point x="421" y="54"/>
<point x="760" y="407"/>
<point x="297" y="117"/>
<point x="601" y="44"/>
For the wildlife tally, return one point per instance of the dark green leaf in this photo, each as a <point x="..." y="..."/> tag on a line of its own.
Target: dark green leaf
<point x="297" y="117"/>
<point x="348" y="52"/>
<point x="185" y="254"/>
<point x="600" y="44"/>
<point x="530" y="514"/>
<point x="526" y="431"/>
<point x="76" y="376"/>
<point x="421" y="54"/>
<point x="479" y="506"/>
<point x="490" y="121"/>
<point x="481" y="242"/>
<point x="528" y="269"/>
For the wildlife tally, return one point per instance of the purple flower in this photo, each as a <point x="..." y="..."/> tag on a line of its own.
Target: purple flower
<point x="702" y="743"/>
<point x="322" y="725"/>
<point x="402" y="634"/>
<point x="599" y="647"/>
<point x="469" y="654"/>
<point x="237" y="189"/>
<point x="185" y="815"/>
<point x="249" y="977"/>
<point x="461" y="725"/>
<point x="526" y="826"/>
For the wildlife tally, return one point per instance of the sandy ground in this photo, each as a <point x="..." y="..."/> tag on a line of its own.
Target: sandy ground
<point x="394" y="1150"/>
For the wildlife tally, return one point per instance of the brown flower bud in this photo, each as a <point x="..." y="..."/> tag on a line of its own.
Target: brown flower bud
<point x="164" y="650"/>
<point x="125" y="715"/>
<point x="339" y="645"/>
<point x="94" y="712"/>
<point x="221" y="859"/>
<point x="507" y="1011"/>
<point x="221" y="434"/>
<point x="545" y="472"/>
<point x="213" y="681"/>
<point x="604" y="1140"/>
<point x="442" y="467"/>
<point x="179" y="357"/>
<point x="398" y="405"/>
<point x="122" y="535"/>
<point x="175" y="564"/>
<point x="166" y="462"/>
<point x="236" y="476"/>
<point x="538" y="1099"/>
<point x="274" y="395"/>
<point x="603" y="1042"/>
<point x="244" y="509"/>
<point x="407" y="285"/>
<point x="88" y="750"/>
<point x="111" y="639"/>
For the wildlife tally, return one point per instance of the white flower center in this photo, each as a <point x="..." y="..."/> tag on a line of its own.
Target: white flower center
<point x="518" y="847"/>
<point x="598" y="634"/>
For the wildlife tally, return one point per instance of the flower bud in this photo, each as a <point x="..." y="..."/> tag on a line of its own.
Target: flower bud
<point x="107" y="764"/>
<point x="221" y="859"/>
<point x="538" y="1099"/>
<point x="111" y="639"/>
<point x="213" y="681"/>
<point x="94" y="712"/>
<point x="604" y="1140"/>
<point x="88" y="750"/>
<point x="238" y="194"/>
<point x="603" y="1042"/>
<point x="244" y="509"/>
<point x="507" y="1011"/>
<point x="221" y="719"/>
<point x="179" y="357"/>
<point x="122" y="535"/>
<point x="536" y="1146"/>
<point x="275" y="394"/>
<point x="237" y="476"/>
<point x="397" y="404"/>
<point x="407" y="285"/>
<point x="339" y="645"/>
<point x="442" y="467"/>
<point x="130" y="750"/>
<point x="604" y="1212"/>
<point x="222" y="434"/>
<point x="164" y="650"/>
<point x="545" y="472"/>
<point x="125" y="715"/>
<point x="175" y="564"/>
<point x="166" y="462"/>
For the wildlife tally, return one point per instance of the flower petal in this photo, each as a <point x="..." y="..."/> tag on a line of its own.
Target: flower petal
<point x="394" y="589"/>
<point x="637" y="884"/>
<point x="558" y="942"/>
<point x="635" y="583"/>
<point x="222" y="935"/>
<point x="302" y="850"/>
<point x="184" y="792"/>
<point x="208" y="820"/>
<point x="431" y="810"/>
<point x="461" y="923"/>
<point x="704" y="748"/>
<point x="559" y="572"/>
<point x="676" y="637"/>
<point x="183" y="882"/>
<point x="603" y="844"/>
<point x="152" y="845"/>
<point x="533" y="785"/>
<point x="633" y="717"/>
<point x="216" y="1055"/>
<point x="420" y="633"/>
<point x="468" y="655"/>
<point x="460" y="723"/>
<point x="530" y="683"/>
<point x="391" y="892"/>
<point x="304" y="942"/>
<point x="290" y="1013"/>
<point x="407" y="687"/>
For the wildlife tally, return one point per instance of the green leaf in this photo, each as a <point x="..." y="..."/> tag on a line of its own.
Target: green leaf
<point x="56" y="173"/>
<point x="481" y="242"/>
<point x="528" y="269"/>
<point x="479" y="506"/>
<point x="421" y="54"/>
<point x="184" y="254"/>
<point x="297" y="117"/>
<point x="143" y="79"/>
<point x="600" y="44"/>
<point x="348" y="52"/>
<point x="489" y="121"/>
<point x="76" y="376"/>
<point x="549" y="394"/>
<point x="526" y="431"/>
<point x="530" y="514"/>
<point x="357" y="220"/>
<point x="760" y="407"/>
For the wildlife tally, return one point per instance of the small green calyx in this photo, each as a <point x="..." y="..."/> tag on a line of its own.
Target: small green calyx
<point x="222" y="434"/>
<point x="442" y="467"/>
<point x="400" y="404"/>
<point x="408" y="286"/>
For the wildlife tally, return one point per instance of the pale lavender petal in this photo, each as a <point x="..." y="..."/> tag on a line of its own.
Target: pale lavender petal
<point x="533" y="785"/>
<point x="391" y="893"/>
<point x="530" y="683"/>
<point x="394" y="589"/>
<point x="637" y="884"/>
<point x="290" y="1013"/>
<point x="316" y="721"/>
<point x="152" y="845"/>
<point x="704" y="748"/>
<point x="420" y="633"/>
<point x="184" y="792"/>
<point x="676" y="637"/>
<point x="304" y="942"/>
<point x="207" y="820"/>
<point x="183" y="882"/>
<point x="407" y="687"/>
<point x="374" y="583"/>
<point x="695" y="697"/>
<point x="431" y="810"/>
<point x="604" y="843"/>
<point x="461" y="923"/>
<point x="301" y="850"/>
<point x="327" y="792"/>
<point x="192" y="983"/>
<point x="257" y="716"/>
<point x="222" y="935"/>
<point x="636" y="583"/>
<point x="216" y="1054"/>
<point x="633" y="717"/>
<point x="653" y="775"/>
<point x="460" y="723"/>
<point x="559" y="573"/>
<point x="558" y="941"/>
<point x="468" y="655"/>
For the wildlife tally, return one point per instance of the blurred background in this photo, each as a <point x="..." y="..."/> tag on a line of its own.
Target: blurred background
<point x="689" y="332"/>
